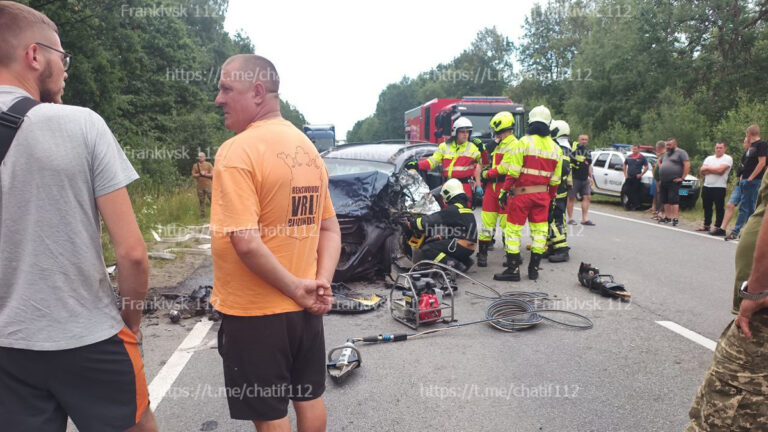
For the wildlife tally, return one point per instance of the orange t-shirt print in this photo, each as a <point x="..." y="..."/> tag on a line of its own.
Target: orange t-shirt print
<point x="271" y="178"/>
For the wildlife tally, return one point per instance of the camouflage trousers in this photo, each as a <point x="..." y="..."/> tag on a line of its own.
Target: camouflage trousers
<point x="201" y="195"/>
<point x="734" y="395"/>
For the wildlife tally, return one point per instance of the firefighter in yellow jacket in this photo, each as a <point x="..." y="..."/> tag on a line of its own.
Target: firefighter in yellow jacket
<point x="533" y="170"/>
<point x="459" y="159"/>
<point x="502" y="125"/>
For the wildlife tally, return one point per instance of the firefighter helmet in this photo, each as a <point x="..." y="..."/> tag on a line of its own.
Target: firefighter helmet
<point x="559" y="128"/>
<point x="461" y="123"/>
<point x="540" y="114"/>
<point x="451" y="189"/>
<point x="502" y="121"/>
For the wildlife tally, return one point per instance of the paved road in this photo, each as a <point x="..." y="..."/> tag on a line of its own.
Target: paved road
<point x="628" y="373"/>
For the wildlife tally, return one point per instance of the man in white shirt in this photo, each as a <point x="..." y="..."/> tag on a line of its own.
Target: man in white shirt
<point x="715" y="170"/>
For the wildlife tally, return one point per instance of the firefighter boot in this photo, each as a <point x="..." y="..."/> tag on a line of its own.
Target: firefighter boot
<point x="533" y="266"/>
<point x="512" y="272"/>
<point x="482" y="254"/>
<point x="559" y="255"/>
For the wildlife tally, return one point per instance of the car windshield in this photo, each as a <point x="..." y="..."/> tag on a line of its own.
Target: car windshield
<point x="355" y="166"/>
<point x="322" y="144"/>
<point x="480" y="124"/>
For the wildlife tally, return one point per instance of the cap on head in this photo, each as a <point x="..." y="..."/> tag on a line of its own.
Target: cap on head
<point x="451" y="189"/>
<point x="559" y="128"/>
<point x="461" y="123"/>
<point x="502" y="121"/>
<point x="540" y="114"/>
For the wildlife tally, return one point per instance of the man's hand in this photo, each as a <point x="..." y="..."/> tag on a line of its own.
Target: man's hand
<point x="313" y="295"/>
<point x="639" y="175"/>
<point x="747" y="309"/>
<point x="479" y="191"/>
<point x="503" y="199"/>
<point x="678" y="180"/>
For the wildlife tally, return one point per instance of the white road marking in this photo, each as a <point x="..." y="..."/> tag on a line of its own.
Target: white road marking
<point x="688" y="334"/>
<point x="658" y="225"/>
<point x="175" y="364"/>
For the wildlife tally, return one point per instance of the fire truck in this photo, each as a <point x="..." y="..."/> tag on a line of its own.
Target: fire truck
<point x="432" y="121"/>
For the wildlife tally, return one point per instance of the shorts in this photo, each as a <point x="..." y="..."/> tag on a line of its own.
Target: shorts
<point x="269" y="360"/>
<point x="584" y="187"/>
<point x="737" y="194"/>
<point x="670" y="192"/>
<point x="101" y="386"/>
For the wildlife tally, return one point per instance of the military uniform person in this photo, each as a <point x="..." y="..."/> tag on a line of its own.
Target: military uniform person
<point x="734" y="394"/>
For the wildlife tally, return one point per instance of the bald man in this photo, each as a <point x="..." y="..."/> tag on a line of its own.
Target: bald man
<point x="65" y="349"/>
<point x="275" y="246"/>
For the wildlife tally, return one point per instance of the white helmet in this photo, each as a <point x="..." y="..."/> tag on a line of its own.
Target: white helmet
<point x="559" y="128"/>
<point x="451" y="189"/>
<point x="540" y="114"/>
<point x="461" y="123"/>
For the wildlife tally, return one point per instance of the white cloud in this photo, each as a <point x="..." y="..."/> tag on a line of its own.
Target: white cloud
<point x="335" y="57"/>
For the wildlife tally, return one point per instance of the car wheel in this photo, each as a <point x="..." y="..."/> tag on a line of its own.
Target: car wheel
<point x="625" y="200"/>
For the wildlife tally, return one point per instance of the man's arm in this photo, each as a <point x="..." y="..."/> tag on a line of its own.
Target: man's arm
<point x="686" y="169"/>
<point x="720" y="170"/>
<point x="195" y="171"/>
<point x="758" y="281"/>
<point x="328" y="249"/>
<point x="131" y="252"/>
<point x="309" y="294"/>
<point x="758" y="168"/>
<point x="625" y="170"/>
<point x="645" y="167"/>
<point x="478" y="170"/>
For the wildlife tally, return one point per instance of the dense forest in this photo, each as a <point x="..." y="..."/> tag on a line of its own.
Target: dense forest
<point x="151" y="70"/>
<point x="622" y="71"/>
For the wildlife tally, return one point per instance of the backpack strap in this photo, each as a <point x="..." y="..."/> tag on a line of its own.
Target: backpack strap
<point x="10" y="122"/>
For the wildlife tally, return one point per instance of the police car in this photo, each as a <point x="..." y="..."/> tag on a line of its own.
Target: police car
<point x="608" y="177"/>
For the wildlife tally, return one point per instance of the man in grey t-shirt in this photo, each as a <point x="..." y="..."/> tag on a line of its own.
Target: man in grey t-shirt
<point x="65" y="348"/>
<point x="673" y="169"/>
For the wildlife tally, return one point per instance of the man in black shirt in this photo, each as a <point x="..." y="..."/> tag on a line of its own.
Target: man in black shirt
<point x="750" y="175"/>
<point x="581" y="169"/>
<point x="635" y="166"/>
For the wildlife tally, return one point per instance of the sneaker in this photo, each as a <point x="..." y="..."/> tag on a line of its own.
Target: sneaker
<point x="731" y="236"/>
<point x="674" y="222"/>
<point x="718" y="232"/>
<point x="665" y="220"/>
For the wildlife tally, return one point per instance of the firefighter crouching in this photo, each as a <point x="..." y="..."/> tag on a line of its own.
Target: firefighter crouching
<point x="502" y="125"/>
<point x="557" y="242"/>
<point x="451" y="233"/>
<point x="533" y="170"/>
<point x="459" y="159"/>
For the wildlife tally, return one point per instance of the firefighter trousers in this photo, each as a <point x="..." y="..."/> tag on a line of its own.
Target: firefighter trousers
<point x="491" y="213"/>
<point x="441" y="250"/>
<point x="556" y="238"/>
<point x="533" y="207"/>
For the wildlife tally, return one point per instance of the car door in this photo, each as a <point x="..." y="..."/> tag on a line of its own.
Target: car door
<point x="614" y="178"/>
<point x="600" y="170"/>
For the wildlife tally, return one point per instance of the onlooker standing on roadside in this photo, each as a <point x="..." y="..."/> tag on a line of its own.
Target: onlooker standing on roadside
<point x="635" y="166"/>
<point x="65" y="348"/>
<point x="203" y="172"/>
<point x="673" y="169"/>
<point x="581" y="167"/>
<point x="715" y="170"/>
<point x="745" y="193"/>
<point x="658" y="207"/>
<point x="275" y="245"/>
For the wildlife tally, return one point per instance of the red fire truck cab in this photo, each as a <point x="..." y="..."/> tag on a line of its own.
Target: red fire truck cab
<point x="432" y="121"/>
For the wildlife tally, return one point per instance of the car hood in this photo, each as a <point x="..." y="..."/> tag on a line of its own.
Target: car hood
<point x="354" y="195"/>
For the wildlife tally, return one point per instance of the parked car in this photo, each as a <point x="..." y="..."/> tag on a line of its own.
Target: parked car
<point x="608" y="178"/>
<point x="370" y="190"/>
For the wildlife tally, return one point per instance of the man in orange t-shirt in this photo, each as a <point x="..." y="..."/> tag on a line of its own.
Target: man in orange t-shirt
<point x="275" y="246"/>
